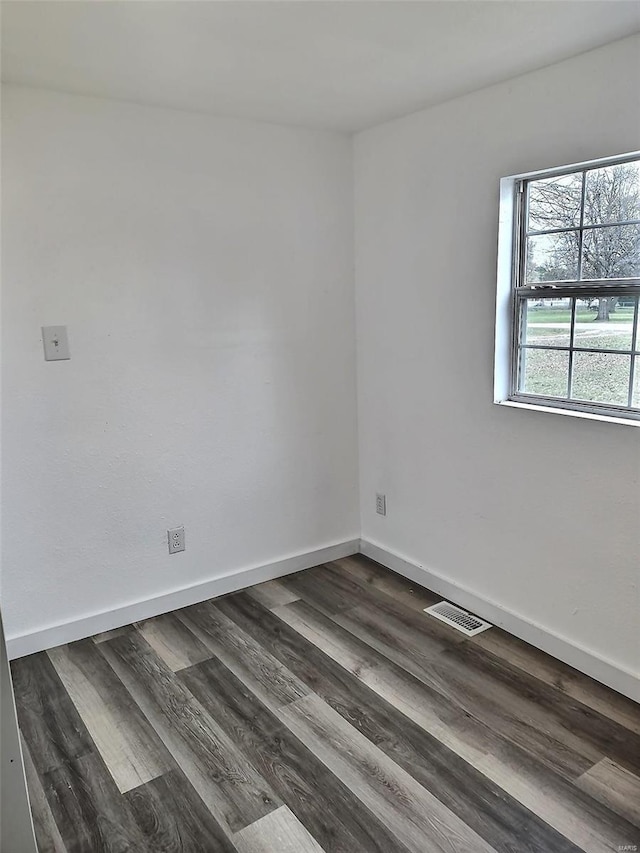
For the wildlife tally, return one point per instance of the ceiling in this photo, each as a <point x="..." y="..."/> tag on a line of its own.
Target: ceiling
<point x="341" y="65"/>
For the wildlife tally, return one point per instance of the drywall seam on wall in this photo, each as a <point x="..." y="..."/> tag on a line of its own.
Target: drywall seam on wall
<point x="583" y="659"/>
<point x="96" y="623"/>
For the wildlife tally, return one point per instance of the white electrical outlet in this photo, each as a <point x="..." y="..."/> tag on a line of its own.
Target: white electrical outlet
<point x="176" y="540"/>
<point x="381" y="504"/>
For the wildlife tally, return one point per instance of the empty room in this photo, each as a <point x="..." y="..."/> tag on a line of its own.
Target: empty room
<point x="320" y="503"/>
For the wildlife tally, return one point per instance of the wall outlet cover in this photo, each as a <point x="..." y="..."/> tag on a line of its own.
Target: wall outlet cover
<point x="176" y="539"/>
<point x="381" y="504"/>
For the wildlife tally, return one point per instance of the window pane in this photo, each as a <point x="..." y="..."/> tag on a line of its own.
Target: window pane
<point x="547" y="322"/>
<point x="555" y="203"/>
<point x="611" y="252"/>
<point x="612" y="194"/>
<point x="553" y="257"/>
<point x="601" y="377"/>
<point x="635" y="401"/>
<point x="545" y="372"/>
<point x="604" y="323"/>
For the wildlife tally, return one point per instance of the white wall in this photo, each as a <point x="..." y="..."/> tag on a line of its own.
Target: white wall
<point x="539" y="513"/>
<point x="204" y="268"/>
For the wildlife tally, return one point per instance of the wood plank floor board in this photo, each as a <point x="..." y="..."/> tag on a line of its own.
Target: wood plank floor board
<point x="565" y="679"/>
<point x="230" y="786"/>
<point x="359" y="592"/>
<point x="338" y="643"/>
<point x="333" y="636"/>
<point x="116" y="632"/>
<point x="47" y="717"/>
<point x="586" y="730"/>
<point x="417" y="818"/>
<point x="337" y="594"/>
<point x="173" y="641"/>
<point x="240" y="653"/>
<point x="494" y="815"/>
<point x="614" y="786"/>
<point x="173" y="819"/>
<point x="350" y="588"/>
<point x="48" y="836"/>
<point x="490" y="700"/>
<point x="475" y="742"/>
<point x="413" y="641"/>
<point x="311" y="585"/>
<point x="280" y="831"/>
<point x="388" y="608"/>
<point x="328" y="809"/>
<point x="82" y="795"/>
<point x="499" y="705"/>
<point x="272" y="594"/>
<point x="323" y="712"/>
<point x="236" y="709"/>
<point x="318" y="671"/>
<point x="516" y="652"/>
<point x="128" y="745"/>
<point x="372" y="576"/>
<point x="544" y="793"/>
<point x="485" y="807"/>
<point x="89" y="811"/>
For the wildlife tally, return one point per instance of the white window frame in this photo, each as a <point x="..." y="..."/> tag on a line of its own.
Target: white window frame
<point x="510" y="270"/>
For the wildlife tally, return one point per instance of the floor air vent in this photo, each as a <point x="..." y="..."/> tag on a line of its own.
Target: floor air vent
<point x="457" y="618"/>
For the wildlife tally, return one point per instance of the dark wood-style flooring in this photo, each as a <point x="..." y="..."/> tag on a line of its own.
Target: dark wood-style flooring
<point x="323" y="712"/>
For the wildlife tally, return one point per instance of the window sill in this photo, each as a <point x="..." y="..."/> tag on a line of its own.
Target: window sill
<point x="590" y="416"/>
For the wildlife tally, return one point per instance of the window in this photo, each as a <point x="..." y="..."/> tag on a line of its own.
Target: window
<point x="573" y="270"/>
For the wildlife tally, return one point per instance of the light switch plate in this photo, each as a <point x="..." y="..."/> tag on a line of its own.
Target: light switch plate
<point x="56" y="343"/>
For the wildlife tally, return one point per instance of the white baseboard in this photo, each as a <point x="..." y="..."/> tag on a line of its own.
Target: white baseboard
<point x="584" y="660"/>
<point x="96" y="623"/>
